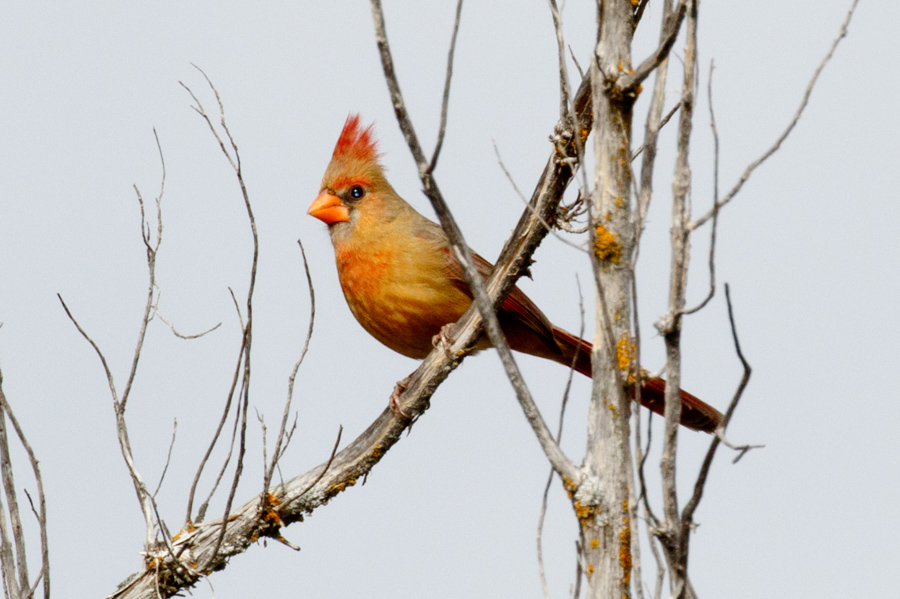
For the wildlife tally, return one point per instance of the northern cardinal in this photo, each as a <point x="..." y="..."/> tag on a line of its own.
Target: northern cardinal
<point x="403" y="284"/>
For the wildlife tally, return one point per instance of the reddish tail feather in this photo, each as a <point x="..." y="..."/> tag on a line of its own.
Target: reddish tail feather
<point x="695" y="413"/>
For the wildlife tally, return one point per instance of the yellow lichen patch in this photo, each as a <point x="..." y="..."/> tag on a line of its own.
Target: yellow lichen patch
<point x="625" y="352"/>
<point x="272" y="500"/>
<point x="595" y="543"/>
<point x="625" y="544"/>
<point x="590" y="569"/>
<point x="272" y="517"/>
<point x="612" y="408"/>
<point x="635" y="2"/>
<point x="569" y="486"/>
<point x="337" y="488"/>
<point x="620" y="201"/>
<point x="625" y="551"/>
<point x="584" y="513"/>
<point x="606" y="247"/>
<point x="377" y="452"/>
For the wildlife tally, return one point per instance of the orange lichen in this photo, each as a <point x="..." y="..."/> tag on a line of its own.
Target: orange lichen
<point x="606" y="247"/>
<point x="595" y="543"/>
<point x="625" y="352"/>
<point x="585" y="513"/>
<point x="625" y="545"/>
<point x="338" y="487"/>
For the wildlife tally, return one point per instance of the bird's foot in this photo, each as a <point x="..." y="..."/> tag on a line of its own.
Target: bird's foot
<point x="443" y="340"/>
<point x="394" y="402"/>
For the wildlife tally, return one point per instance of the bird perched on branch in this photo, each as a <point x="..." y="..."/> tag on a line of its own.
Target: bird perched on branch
<point x="403" y="284"/>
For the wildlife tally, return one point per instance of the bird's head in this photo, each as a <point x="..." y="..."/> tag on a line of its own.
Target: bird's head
<point x="354" y="190"/>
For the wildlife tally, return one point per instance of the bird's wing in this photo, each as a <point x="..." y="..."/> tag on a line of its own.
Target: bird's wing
<point x="517" y="305"/>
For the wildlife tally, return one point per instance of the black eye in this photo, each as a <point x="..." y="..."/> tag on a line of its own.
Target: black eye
<point x="357" y="192"/>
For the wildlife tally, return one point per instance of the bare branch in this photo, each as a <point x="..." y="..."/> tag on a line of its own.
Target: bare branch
<point x="530" y="208"/>
<point x="628" y="84"/>
<point x="564" y="110"/>
<point x="688" y="514"/>
<point x="445" y="102"/>
<point x="280" y="441"/>
<point x="559" y="432"/>
<point x="242" y="371"/>
<point x="674" y="537"/>
<point x="715" y="223"/>
<point x="774" y="148"/>
<point x="651" y="133"/>
<point x="40" y="513"/>
<point x="179" y="334"/>
<point x="162" y="476"/>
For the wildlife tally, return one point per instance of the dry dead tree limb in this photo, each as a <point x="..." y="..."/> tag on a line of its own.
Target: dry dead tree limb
<point x="559" y="431"/>
<point x="27" y="588"/>
<point x="145" y="498"/>
<point x="629" y="83"/>
<point x="281" y="442"/>
<point x="671" y="534"/>
<point x="242" y="373"/>
<point x="687" y="515"/>
<point x="787" y="131"/>
<point x="445" y="100"/>
<point x="461" y="252"/>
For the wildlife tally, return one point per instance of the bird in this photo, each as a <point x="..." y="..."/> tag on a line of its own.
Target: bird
<point x="403" y="283"/>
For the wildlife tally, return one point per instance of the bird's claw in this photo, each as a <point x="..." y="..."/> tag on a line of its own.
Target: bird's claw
<point x="443" y="340"/>
<point x="394" y="402"/>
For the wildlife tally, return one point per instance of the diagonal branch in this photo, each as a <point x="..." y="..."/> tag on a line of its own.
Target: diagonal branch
<point x="628" y="84"/>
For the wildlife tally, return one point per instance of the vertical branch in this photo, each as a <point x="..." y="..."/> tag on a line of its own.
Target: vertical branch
<point x="41" y="511"/>
<point x="605" y="522"/>
<point x="673" y="535"/>
<point x="15" y="520"/>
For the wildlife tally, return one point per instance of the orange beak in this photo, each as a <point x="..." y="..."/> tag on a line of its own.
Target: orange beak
<point x="329" y="209"/>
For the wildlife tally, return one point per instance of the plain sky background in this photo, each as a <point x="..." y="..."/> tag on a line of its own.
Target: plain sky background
<point x="810" y="248"/>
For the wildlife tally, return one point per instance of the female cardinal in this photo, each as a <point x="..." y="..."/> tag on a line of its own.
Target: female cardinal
<point x="403" y="284"/>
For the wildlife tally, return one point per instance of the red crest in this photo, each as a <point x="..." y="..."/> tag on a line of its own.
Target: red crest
<point x="356" y="142"/>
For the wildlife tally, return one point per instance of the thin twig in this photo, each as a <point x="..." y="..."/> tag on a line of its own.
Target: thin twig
<point x="179" y="334"/>
<point x="628" y="84"/>
<point x="688" y="514"/>
<point x="162" y="476"/>
<point x="41" y="512"/>
<point x="278" y="451"/>
<point x="564" y="110"/>
<point x="715" y="223"/>
<point x="445" y="101"/>
<point x="529" y="207"/>
<point x="662" y="124"/>
<point x="559" y="432"/>
<point x="774" y="148"/>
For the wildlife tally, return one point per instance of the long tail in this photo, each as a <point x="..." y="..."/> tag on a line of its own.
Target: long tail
<point x="695" y="413"/>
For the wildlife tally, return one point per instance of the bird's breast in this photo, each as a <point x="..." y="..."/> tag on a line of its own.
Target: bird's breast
<point x="401" y="296"/>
